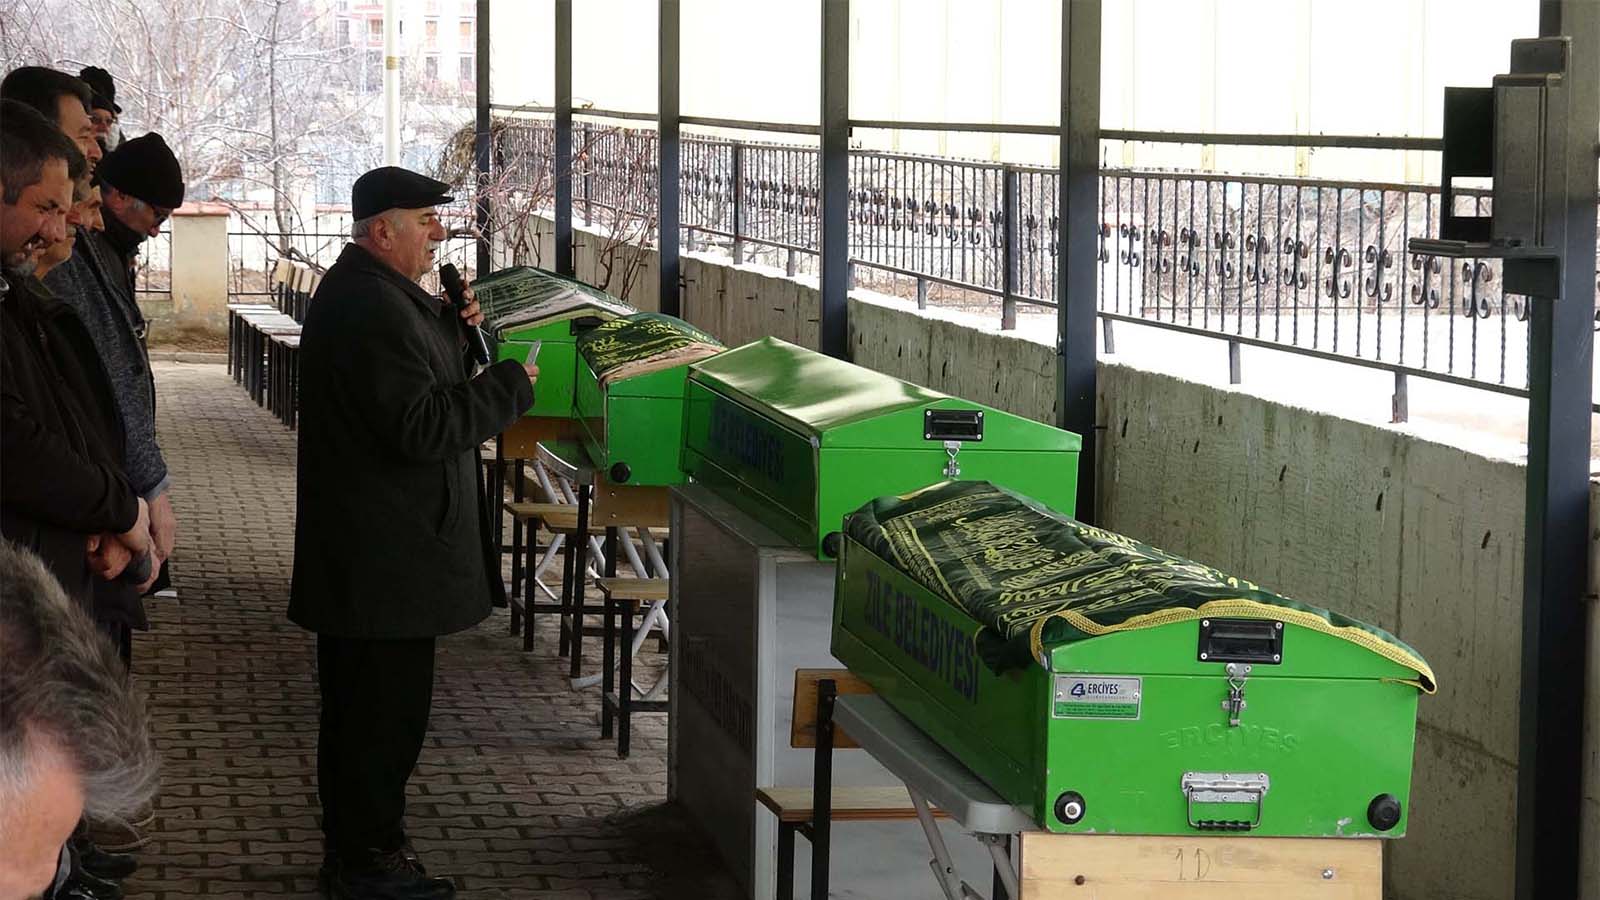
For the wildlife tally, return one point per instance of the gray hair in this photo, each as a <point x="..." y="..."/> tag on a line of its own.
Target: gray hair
<point x="63" y="689"/>
<point x="362" y="228"/>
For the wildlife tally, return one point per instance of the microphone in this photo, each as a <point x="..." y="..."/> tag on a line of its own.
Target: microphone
<point x="137" y="571"/>
<point x="455" y="290"/>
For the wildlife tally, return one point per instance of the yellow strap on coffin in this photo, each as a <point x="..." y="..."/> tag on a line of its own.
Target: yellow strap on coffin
<point x="1243" y="609"/>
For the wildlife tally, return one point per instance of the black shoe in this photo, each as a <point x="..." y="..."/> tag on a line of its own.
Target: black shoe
<point x="396" y="875"/>
<point x="99" y="863"/>
<point x="72" y="891"/>
<point x="80" y="885"/>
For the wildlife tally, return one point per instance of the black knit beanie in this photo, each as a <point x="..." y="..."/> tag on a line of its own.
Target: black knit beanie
<point x="145" y="168"/>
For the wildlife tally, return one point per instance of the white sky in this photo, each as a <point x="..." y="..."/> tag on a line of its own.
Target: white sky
<point x="1318" y="66"/>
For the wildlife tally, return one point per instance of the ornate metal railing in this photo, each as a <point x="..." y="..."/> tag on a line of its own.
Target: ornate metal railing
<point x="254" y="251"/>
<point x="152" y="276"/>
<point x="1310" y="265"/>
<point x="1304" y="265"/>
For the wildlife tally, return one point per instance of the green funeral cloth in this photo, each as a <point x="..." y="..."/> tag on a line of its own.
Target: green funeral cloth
<point x="1036" y="579"/>
<point x="634" y="344"/>
<point x="523" y="293"/>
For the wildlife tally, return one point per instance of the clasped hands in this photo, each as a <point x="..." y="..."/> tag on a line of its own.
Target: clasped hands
<point x="153" y="533"/>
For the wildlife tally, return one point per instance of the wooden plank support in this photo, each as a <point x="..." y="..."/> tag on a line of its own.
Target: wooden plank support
<point x="1181" y="867"/>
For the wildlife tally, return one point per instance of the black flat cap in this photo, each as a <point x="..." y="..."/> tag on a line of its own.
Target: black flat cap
<point x="146" y="168"/>
<point x="391" y="187"/>
<point x="103" y="88"/>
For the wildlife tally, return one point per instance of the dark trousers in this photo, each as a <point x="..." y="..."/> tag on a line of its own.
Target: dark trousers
<point x="122" y="638"/>
<point x="375" y="701"/>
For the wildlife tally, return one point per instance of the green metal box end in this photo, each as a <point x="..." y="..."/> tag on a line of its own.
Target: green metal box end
<point x="798" y="440"/>
<point x="1332" y="728"/>
<point x="636" y="422"/>
<point x="552" y="396"/>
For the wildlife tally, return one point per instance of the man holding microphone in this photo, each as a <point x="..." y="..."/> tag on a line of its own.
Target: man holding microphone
<point x="391" y="544"/>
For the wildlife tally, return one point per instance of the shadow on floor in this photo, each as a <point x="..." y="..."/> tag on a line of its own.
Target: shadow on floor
<point x="684" y="864"/>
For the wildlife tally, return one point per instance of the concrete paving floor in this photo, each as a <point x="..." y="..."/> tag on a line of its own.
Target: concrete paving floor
<point x="516" y="795"/>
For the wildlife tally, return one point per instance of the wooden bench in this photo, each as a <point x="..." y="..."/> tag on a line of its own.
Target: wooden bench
<point x="283" y="368"/>
<point x="796" y="808"/>
<point x="250" y="329"/>
<point x="792" y="805"/>
<point x="514" y="449"/>
<point x="299" y="283"/>
<point x="559" y="518"/>
<point x="637" y="590"/>
<point x="282" y="270"/>
<point x="529" y="517"/>
<point x="236" y="323"/>
<point x="615" y="509"/>
<point x="627" y="598"/>
<point x="606" y="511"/>
<point x="260" y="336"/>
<point x="302" y="298"/>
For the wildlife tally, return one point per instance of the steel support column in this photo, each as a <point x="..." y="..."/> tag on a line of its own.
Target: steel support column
<point x="563" y="161"/>
<point x="483" y="140"/>
<point x="834" y="241"/>
<point x="668" y="165"/>
<point x="1011" y="253"/>
<point x="391" y="83"/>
<point x="737" y="178"/>
<point x="1554" y="627"/>
<point x="1077" y="237"/>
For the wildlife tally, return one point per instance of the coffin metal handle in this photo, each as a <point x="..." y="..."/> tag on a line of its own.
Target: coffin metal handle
<point x="1225" y="787"/>
<point x="584" y="324"/>
<point x="952" y="425"/>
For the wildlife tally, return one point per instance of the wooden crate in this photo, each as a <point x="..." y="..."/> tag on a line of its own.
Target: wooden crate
<point x="521" y="440"/>
<point x="1130" y="867"/>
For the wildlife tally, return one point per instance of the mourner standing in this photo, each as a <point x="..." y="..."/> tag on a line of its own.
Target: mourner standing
<point x="62" y="431"/>
<point x="141" y="184"/>
<point x="62" y="99"/>
<point x="391" y="547"/>
<point x="103" y="108"/>
<point x="62" y="492"/>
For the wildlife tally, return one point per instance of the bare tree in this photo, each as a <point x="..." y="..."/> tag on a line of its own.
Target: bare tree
<point x="628" y="223"/>
<point x="521" y="192"/>
<point x="520" y="186"/>
<point x="251" y="94"/>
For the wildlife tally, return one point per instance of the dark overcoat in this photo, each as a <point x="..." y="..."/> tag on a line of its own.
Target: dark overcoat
<point x="61" y="477"/>
<point x="390" y="533"/>
<point x="95" y="282"/>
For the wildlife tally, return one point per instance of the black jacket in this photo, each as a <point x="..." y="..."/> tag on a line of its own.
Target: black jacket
<point x="94" y="282"/>
<point x="390" y="534"/>
<point x="61" y="477"/>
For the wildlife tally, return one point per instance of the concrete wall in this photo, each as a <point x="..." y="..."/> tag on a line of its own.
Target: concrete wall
<point x="200" y="269"/>
<point x="1416" y="536"/>
<point x="195" y="306"/>
<point x="1422" y="539"/>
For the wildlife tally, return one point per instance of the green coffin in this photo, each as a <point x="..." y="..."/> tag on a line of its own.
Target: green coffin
<point x="1092" y="679"/>
<point x="629" y="394"/>
<point x="798" y="439"/>
<point x="524" y="304"/>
